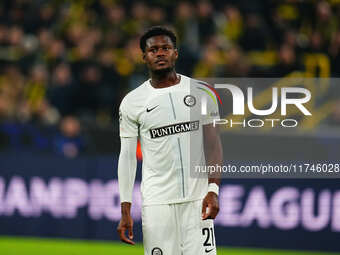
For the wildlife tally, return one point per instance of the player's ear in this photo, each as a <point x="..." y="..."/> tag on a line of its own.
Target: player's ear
<point x="176" y="53"/>
<point x="143" y="56"/>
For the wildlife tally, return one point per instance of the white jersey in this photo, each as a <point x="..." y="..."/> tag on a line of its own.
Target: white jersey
<point x="169" y="125"/>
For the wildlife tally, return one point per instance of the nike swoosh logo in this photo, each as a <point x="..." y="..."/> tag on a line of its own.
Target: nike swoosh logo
<point x="150" y="109"/>
<point x="207" y="251"/>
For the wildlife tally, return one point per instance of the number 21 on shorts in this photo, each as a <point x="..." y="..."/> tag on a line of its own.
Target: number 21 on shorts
<point x="209" y="239"/>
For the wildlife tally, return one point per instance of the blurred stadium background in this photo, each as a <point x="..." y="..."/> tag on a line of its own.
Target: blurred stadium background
<point x="64" y="68"/>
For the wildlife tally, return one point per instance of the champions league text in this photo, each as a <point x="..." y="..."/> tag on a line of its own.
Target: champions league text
<point x="287" y="208"/>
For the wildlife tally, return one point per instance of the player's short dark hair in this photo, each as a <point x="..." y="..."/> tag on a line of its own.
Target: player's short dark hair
<point x="154" y="31"/>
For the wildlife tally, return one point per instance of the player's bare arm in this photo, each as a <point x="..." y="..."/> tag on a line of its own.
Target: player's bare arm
<point x="213" y="154"/>
<point x="126" y="224"/>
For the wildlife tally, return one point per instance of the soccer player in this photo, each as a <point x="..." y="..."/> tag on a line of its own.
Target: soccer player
<point x="165" y="114"/>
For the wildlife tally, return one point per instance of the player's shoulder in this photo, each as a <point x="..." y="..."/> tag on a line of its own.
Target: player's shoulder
<point x="199" y="86"/>
<point x="191" y="83"/>
<point x="199" y="83"/>
<point x="136" y="96"/>
<point x="202" y="89"/>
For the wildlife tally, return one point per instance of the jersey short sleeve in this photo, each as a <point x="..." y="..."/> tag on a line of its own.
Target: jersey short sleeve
<point x="212" y="110"/>
<point x="128" y="125"/>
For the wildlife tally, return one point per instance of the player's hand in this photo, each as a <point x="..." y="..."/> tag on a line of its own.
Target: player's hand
<point x="210" y="206"/>
<point x="126" y="223"/>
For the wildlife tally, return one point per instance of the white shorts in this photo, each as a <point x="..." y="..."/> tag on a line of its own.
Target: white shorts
<point x="177" y="229"/>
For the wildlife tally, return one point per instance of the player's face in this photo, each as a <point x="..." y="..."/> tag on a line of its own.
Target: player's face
<point x="160" y="54"/>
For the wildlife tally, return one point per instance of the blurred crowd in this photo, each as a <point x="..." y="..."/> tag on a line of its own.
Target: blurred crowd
<point x="77" y="59"/>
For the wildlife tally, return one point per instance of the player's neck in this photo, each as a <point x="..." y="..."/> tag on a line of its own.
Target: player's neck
<point x="165" y="79"/>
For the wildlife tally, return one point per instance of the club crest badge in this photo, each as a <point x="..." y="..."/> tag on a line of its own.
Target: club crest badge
<point x="156" y="251"/>
<point x="189" y="100"/>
